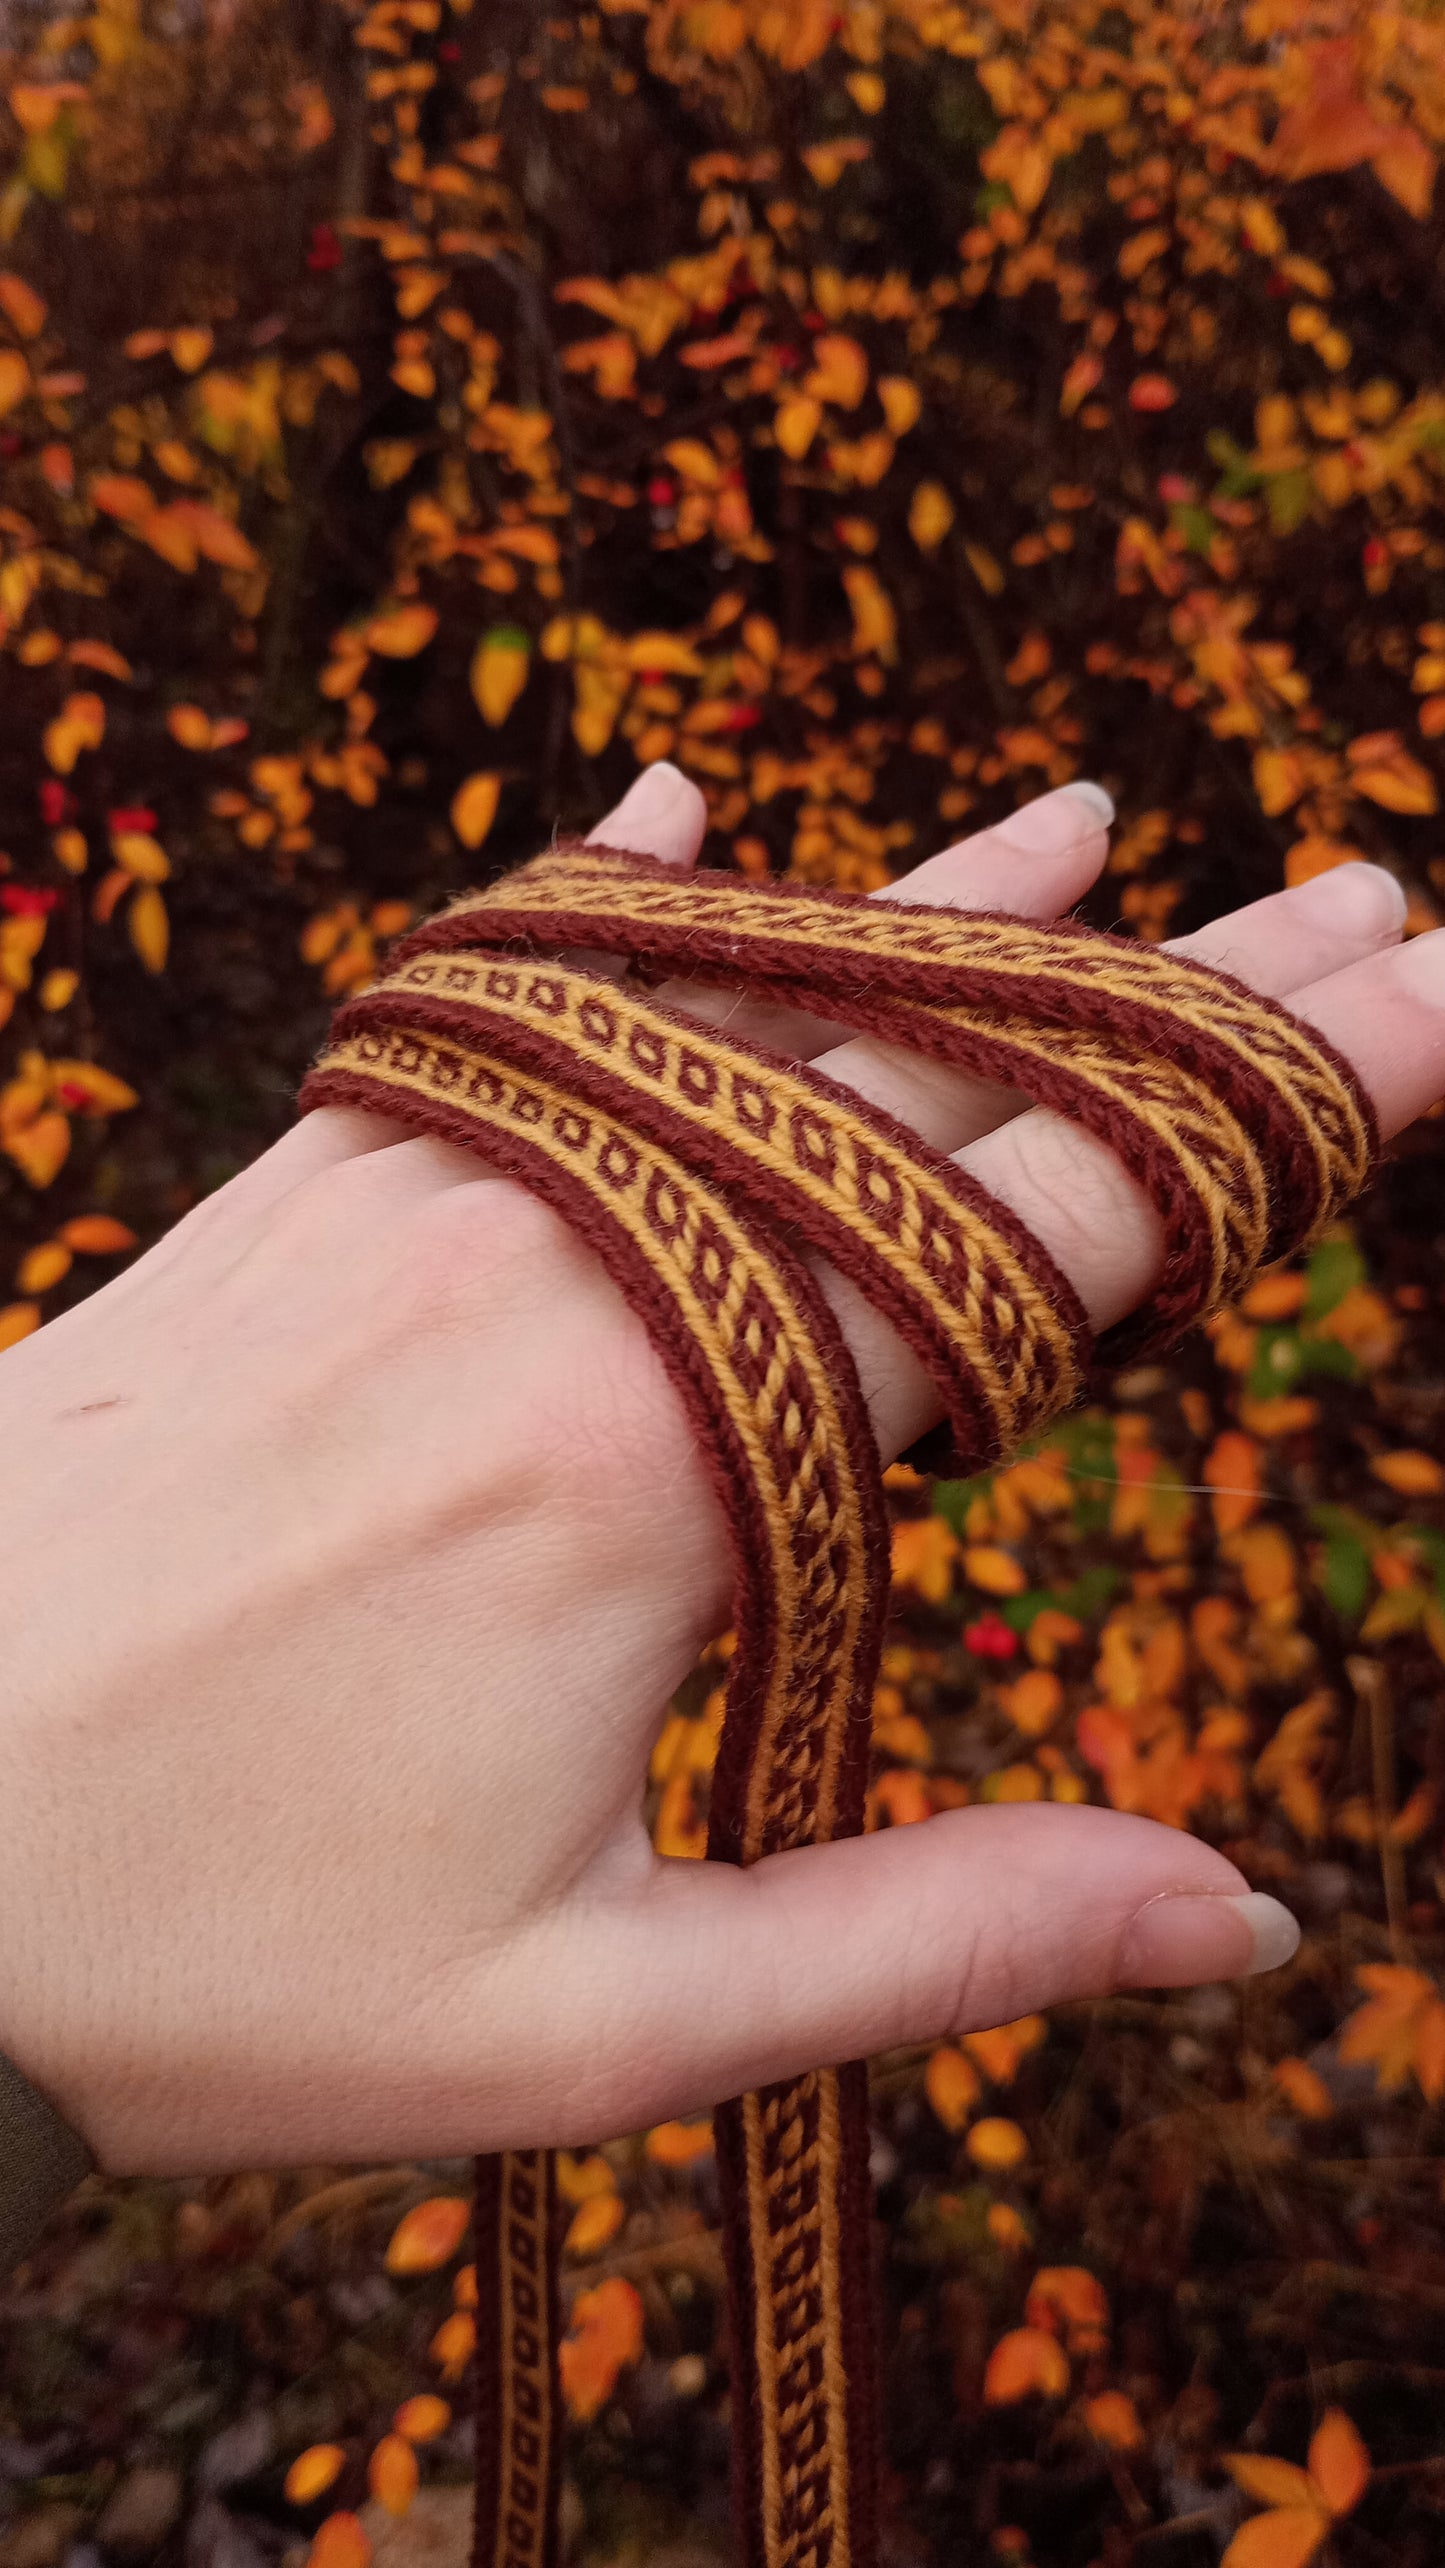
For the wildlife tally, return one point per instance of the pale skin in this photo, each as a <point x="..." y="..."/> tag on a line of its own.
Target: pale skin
<point x="352" y="1543"/>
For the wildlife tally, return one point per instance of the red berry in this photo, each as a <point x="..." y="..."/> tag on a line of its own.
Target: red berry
<point x="54" y="802"/>
<point x="325" y="250"/>
<point x="24" y="900"/>
<point x="991" y="1637"/>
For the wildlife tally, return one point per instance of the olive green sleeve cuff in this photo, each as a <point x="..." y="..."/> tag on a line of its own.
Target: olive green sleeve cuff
<point x="41" y="2161"/>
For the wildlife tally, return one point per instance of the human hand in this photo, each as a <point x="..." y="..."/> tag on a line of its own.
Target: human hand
<point x="354" y="1541"/>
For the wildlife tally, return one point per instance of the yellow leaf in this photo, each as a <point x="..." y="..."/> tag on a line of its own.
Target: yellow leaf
<point x="663" y="655"/>
<point x="14" y="379"/>
<point x="499" y="671"/>
<point x="80" y="724"/>
<point x="1399" y="783"/>
<point x="593" y="2223"/>
<point x="454" y="2344"/>
<point x="1314" y="854"/>
<point x="474" y="807"/>
<point x="875" y="626"/>
<point x="429" y="2235"/>
<point x="191" y="347"/>
<point x="930" y="515"/>
<point x="796" y="424"/>
<point x="996" y="2143"/>
<point x="1339" y="2462"/>
<point x="951" y="2085"/>
<point x="924" y="1551"/>
<point x="839" y="371"/>
<point x="189" y="727"/>
<point x="995" y="1570"/>
<point x="901" y="400"/>
<point x="58" y="988"/>
<point x="392" y="2474"/>
<point x="41" y="1267"/>
<point x="1026" y="2361"/>
<point x="1284" y="2538"/>
<point x="140" y="855"/>
<point x="1412" y="1474"/>
<point x="313" y="2472"/>
<point x="150" y="928"/>
<point x="1279" y="779"/>
<point x="399" y="632"/>
<point x="984" y="568"/>
<point x="18" y="1320"/>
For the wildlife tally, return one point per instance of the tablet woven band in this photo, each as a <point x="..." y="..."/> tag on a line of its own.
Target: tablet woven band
<point x="696" y="1163"/>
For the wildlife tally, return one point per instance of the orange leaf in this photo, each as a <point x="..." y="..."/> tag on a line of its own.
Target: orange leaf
<point x="150" y="927"/>
<point x="14" y="379"/>
<point x="96" y="1235"/>
<point x="341" y="2542"/>
<point x="429" y="2235"/>
<point x="122" y="495"/>
<point x="399" y="632"/>
<point x="1413" y="1474"/>
<point x="951" y="2085"/>
<point x="313" y="2472"/>
<point x="1272" y="2482"/>
<point x="474" y="807"/>
<point x="1067" y="2298"/>
<point x="796" y="424"/>
<point x="423" y="2418"/>
<point x="1284" y="2538"/>
<point x="18" y="1320"/>
<point x="1113" y="2418"/>
<point x="930" y="515"/>
<point x="1026" y="2361"/>
<point x="605" y="2336"/>
<point x="21" y="305"/>
<point x="839" y="372"/>
<point x="392" y="2474"/>
<point x="43" y="1266"/>
<point x="593" y="2223"/>
<point x="454" y="2344"/>
<point x="679" y="2144"/>
<point x="1305" y="2089"/>
<point x="1339" y="2463"/>
<point x="989" y="1566"/>
<point x="1152" y="392"/>
<point x="999" y="2048"/>
<point x="1231" y="1469"/>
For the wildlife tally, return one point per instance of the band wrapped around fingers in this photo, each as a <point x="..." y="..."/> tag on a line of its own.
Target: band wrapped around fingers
<point x="698" y="1166"/>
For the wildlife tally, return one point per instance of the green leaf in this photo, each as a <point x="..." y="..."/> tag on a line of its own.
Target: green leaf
<point x="1345" y="1576"/>
<point x="1277" y="1363"/>
<point x="1334" y="1270"/>
<point x="1195" y="524"/>
<point x="952" y="1499"/>
<point x="1290" y="497"/>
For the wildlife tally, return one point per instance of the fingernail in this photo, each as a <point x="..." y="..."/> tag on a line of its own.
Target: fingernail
<point x="1361" y="900"/>
<point x="650" y="800"/>
<point x="1176" y="1941"/>
<point x="1058" y="820"/>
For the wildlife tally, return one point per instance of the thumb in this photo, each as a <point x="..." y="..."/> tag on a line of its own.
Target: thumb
<point x="969" y="1919"/>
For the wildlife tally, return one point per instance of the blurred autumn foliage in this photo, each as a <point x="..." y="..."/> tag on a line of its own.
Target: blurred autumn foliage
<point x="411" y="418"/>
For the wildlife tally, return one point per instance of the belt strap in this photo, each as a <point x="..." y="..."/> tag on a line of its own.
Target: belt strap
<point x="691" y="1159"/>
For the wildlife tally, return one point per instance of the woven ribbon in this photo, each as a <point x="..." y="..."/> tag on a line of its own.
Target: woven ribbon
<point x="701" y="1167"/>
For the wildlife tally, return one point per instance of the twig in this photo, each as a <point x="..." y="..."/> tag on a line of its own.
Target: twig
<point x="1372" y="1690"/>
